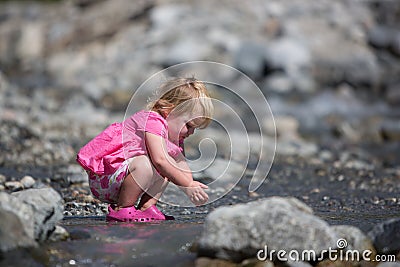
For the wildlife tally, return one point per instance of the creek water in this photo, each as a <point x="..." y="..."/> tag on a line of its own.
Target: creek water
<point x="337" y="195"/>
<point x="100" y="243"/>
<point x="96" y="242"/>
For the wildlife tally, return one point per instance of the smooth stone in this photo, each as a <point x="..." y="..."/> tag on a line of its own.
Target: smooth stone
<point x="393" y="94"/>
<point x="249" y="58"/>
<point x="288" y="54"/>
<point x="59" y="234"/>
<point x="395" y="44"/>
<point x="278" y="82"/>
<point x="295" y="147"/>
<point x="207" y="262"/>
<point x="391" y="130"/>
<point x="380" y="36"/>
<point x="240" y="231"/>
<point x="386" y="236"/>
<point x="16" y="224"/>
<point x="47" y="206"/>
<point x="355" y="239"/>
<point x="14" y="185"/>
<point x="28" y="182"/>
<point x="3" y="179"/>
<point x="389" y="264"/>
<point x="79" y="234"/>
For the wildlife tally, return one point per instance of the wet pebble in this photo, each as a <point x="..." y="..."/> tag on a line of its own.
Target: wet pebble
<point x="59" y="234"/>
<point x="28" y="182"/>
<point x="253" y="194"/>
<point x="204" y="262"/>
<point x="358" y="165"/>
<point x="186" y="212"/>
<point x="391" y="130"/>
<point x="14" y="185"/>
<point x="85" y="209"/>
<point x="385" y="236"/>
<point x="389" y="264"/>
<point x="3" y="179"/>
<point x="393" y="94"/>
<point x="79" y="234"/>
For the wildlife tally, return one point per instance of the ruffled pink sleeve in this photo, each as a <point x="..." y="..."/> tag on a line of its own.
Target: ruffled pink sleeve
<point x="156" y="124"/>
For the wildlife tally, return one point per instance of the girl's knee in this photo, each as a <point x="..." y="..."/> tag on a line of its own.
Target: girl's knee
<point x="141" y="165"/>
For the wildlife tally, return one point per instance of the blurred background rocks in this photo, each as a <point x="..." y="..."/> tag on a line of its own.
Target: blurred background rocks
<point x="329" y="70"/>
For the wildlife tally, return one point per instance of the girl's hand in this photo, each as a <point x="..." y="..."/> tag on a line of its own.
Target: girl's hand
<point x="196" y="194"/>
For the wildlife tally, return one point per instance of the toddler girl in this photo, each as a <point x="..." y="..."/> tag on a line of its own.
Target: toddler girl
<point x="139" y="156"/>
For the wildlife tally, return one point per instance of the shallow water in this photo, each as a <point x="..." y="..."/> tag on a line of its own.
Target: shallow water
<point x="360" y="198"/>
<point x="363" y="220"/>
<point x="100" y="243"/>
<point x="96" y="242"/>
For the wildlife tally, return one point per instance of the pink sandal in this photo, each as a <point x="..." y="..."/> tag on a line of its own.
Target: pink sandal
<point x="155" y="214"/>
<point x="131" y="214"/>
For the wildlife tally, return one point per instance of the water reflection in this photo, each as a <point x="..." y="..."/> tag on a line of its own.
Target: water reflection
<point x="126" y="244"/>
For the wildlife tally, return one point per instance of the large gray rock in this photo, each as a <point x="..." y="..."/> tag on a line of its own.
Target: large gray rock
<point x="392" y="95"/>
<point x="295" y="146"/>
<point x="250" y="59"/>
<point x="225" y="170"/>
<point x="240" y="231"/>
<point x="303" y="45"/>
<point x="391" y="129"/>
<point x="290" y="55"/>
<point x="354" y="64"/>
<point x="318" y="29"/>
<point x="386" y="236"/>
<point x="188" y="49"/>
<point x="47" y="206"/>
<point x="16" y="224"/>
<point x="395" y="45"/>
<point x="31" y="45"/>
<point x="389" y="264"/>
<point x="380" y="36"/>
<point x="355" y="239"/>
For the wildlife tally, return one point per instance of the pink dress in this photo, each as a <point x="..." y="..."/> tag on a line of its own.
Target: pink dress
<point x="106" y="157"/>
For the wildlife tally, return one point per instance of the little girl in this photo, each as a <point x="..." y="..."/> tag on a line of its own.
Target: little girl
<point x="138" y="157"/>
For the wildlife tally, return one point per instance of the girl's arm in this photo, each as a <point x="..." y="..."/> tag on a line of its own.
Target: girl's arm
<point x="177" y="172"/>
<point x="181" y="145"/>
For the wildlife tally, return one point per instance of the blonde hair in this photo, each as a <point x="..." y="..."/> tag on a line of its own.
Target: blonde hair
<point x="184" y="95"/>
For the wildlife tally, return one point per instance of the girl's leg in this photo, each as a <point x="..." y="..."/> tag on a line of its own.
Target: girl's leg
<point x="154" y="193"/>
<point x="139" y="179"/>
<point x="156" y="190"/>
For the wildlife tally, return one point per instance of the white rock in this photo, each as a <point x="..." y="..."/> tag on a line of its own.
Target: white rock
<point x="3" y="179"/>
<point x="32" y="41"/>
<point x="389" y="264"/>
<point x="27" y="181"/>
<point x="14" y="185"/>
<point x="47" y="206"/>
<point x="239" y="231"/>
<point x="17" y="225"/>
<point x="60" y="233"/>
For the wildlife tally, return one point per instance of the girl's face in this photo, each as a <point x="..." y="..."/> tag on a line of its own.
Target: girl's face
<point x="179" y="127"/>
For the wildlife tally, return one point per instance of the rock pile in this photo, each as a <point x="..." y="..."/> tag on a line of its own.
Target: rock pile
<point x="280" y="230"/>
<point x="28" y="217"/>
<point x="330" y="71"/>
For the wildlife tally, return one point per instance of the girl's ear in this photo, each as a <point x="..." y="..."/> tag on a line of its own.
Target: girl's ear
<point x="165" y="112"/>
